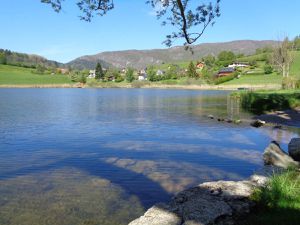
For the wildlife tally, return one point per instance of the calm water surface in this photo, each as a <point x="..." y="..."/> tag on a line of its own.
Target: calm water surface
<point x="103" y="156"/>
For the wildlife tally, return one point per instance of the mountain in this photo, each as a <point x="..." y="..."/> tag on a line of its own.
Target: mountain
<point x="142" y="58"/>
<point x="26" y="60"/>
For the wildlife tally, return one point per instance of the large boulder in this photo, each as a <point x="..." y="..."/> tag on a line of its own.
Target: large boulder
<point x="275" y="156"/>
<point x="294" y="149"/>
<point x="160" y="214"/>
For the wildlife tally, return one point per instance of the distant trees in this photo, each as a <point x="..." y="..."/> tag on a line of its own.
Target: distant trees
<point x="209" y="60"/>
<point x="297" y="43"/>
<point x="190" y="20"/>
<point x="192" y="71"/>
<point x="151" y="73"/>
<point x="99" y="74"/>
<point x="226" y="56"/>
<point x="3" y="59"/>
<point x="283" y="57"/>
<point x="129" y="75"/>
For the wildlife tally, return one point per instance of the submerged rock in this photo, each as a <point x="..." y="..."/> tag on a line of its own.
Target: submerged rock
<point x="294" y="149"/>
<point x="275" y="156"/>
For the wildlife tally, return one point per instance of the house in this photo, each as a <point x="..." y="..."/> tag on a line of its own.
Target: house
<point x="200" y="65"/>
<point x="62" y="70"/>
<point x="142" y="74"/>
<point x="238" y="65"/>
<point x="142" y="77"/>
<point x="225" y="72"/>
<point x="92" y="74"/>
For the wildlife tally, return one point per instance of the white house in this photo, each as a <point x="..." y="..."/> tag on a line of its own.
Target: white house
<point x="235" y="65"/>
<point x="142" y="77"/>
<point x="92" y="74"/>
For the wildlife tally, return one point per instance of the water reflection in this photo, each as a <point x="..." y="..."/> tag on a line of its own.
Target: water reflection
<point x="70" y="156"/>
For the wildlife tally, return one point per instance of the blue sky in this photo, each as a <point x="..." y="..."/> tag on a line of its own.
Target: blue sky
<point x="31" y="27"/>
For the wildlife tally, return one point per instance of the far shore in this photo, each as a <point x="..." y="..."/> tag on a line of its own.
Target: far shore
<point x="147" y="86"/>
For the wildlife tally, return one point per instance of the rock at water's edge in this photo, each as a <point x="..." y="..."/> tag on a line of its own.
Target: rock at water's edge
<point x="294" y="149"/>
<point x="275" y="156"/>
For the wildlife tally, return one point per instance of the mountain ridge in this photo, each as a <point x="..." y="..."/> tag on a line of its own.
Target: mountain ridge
<point x="139" y="59"/>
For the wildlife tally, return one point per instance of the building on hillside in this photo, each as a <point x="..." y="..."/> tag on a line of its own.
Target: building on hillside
<point x="92" y="74"/>
<point x="62" y="70"/>
<point x="225" y="72"/>
<point x="200" y="65"/>
<point x="238" y="65"/>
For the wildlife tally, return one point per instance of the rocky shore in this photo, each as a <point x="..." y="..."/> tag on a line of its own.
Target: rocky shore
<point x="221" y="202"/>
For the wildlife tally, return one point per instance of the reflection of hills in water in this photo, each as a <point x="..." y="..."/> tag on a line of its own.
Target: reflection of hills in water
<point x="103" y="156"/>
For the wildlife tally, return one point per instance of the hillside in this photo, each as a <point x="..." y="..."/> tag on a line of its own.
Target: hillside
<point x="25" y="60"/>
<point x="13" y="75"/>
<point x="141" y="58"/>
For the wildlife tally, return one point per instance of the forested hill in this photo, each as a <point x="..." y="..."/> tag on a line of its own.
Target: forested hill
<point x="26" y="60"/>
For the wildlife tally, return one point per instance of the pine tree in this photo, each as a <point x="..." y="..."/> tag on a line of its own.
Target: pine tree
<point x="192" y="71"/>
<point x="99" y="72"/>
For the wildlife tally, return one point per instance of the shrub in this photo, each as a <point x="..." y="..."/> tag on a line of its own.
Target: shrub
<point x="290" y="83"/>
<point x="268" y="69"/>
<point x="139" y="84"/>
<point x="221" y="80"/>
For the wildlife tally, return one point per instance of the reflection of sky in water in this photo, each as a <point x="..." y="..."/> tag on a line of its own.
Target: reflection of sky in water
<point x="120" y="150"/>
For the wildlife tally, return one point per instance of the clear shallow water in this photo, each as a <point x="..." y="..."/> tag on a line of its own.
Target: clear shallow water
<point x="102" y="156"/>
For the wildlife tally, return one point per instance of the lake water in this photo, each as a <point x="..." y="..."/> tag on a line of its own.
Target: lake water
<point x="103" y="156"/>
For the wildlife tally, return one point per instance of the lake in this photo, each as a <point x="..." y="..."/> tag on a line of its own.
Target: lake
<point x="103" y="156"/>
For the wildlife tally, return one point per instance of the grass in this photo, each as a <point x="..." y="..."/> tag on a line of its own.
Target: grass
<point x="254" y="79"/>
<point x="278" y="203"/>
<point x="13" y="75"/>
<point x="263" y="101"/>
<point x="295" y="69"/>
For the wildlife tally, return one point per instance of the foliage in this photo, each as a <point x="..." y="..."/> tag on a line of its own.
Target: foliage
<point x="192" y="71"/>
<point x="40" y="69"/>
<point x="283" y="57"/>
<point x="99" y="72"/>
<point x="129" y="75"/>
<point x="209" y="60"/>
<point x="3" y="58"/>
<point x="224" y="79"/>
<point x="178" y="13"/>
<point x="226" y="56"/>
<point x="260" y="102"/>
<point x="290" y="83"/>
<point x="278" y="202"/>
<point x="268" y="69"/>
<point x="172" y="72"/>
<point x="151" y="73"/>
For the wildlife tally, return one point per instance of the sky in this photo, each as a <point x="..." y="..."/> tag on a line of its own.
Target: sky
<point x="29" y="26"/>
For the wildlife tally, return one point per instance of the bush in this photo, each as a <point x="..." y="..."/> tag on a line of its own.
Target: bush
<point x="221" y="80"/>
<point x="268" y="69"/>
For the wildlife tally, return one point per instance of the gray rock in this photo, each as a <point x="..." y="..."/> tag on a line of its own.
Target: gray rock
<point x="275" y="156"/>
<point x="160" y="214"/>
<point x="294" y="149"/>
<point x="257" y="123"/>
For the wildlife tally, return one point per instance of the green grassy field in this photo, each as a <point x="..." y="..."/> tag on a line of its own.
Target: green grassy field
<point x="12" y="75"/>
<point x="256" y="79"/>
<point x="295" y="69"/>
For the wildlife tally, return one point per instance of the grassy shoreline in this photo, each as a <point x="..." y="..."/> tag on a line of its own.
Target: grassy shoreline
<point x="265" y="101"/>
<point x="146" y="86"/>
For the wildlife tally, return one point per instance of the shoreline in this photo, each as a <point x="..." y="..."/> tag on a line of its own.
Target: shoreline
<point x="151" y="86"/>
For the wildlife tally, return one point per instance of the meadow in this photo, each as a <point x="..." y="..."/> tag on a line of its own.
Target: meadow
<point x="13" y="75"/>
